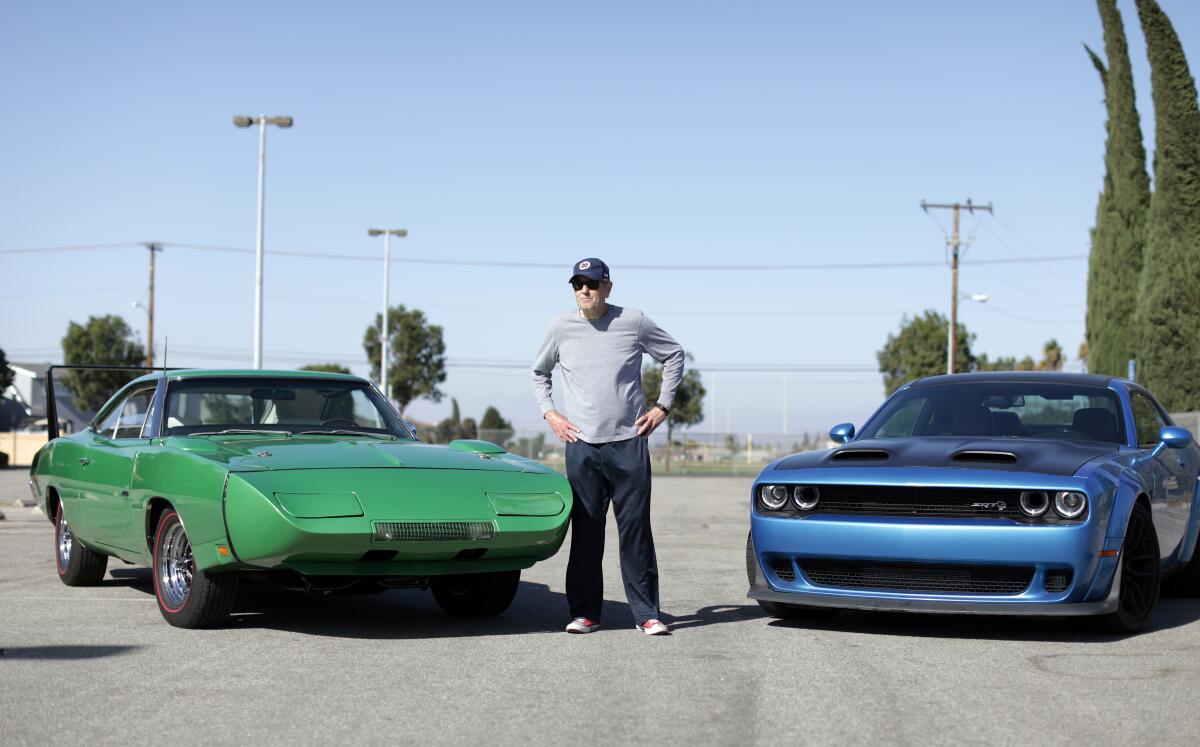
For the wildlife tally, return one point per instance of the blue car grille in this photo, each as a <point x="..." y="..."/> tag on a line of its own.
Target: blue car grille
<point x="917" y="577"/>
<point x="872" y="500"/>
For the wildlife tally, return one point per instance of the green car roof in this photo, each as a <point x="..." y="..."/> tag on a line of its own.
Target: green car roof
<point x="203" y="373"/>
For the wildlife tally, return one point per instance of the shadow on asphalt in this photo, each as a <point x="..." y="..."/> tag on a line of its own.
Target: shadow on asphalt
<point x="412" y="613"/>
<point x="63" y="653"/>
<point x="1172" y="613"/>
<point x="389" y="614"/>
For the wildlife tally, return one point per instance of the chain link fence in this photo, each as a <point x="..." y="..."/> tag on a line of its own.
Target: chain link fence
<point x="690" y="453"/>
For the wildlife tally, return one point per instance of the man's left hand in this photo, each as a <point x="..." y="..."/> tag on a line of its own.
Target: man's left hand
<point x="651" y="420"/>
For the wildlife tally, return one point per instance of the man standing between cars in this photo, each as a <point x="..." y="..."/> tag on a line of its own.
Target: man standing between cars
<point x="598" y="349"/>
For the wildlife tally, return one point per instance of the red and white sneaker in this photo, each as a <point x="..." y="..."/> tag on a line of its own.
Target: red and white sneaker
<point x="582" y="625"/>
<point x="654" y="626"/>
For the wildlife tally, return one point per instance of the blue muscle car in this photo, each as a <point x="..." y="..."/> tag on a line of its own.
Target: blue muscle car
<point x="985" y="493"/>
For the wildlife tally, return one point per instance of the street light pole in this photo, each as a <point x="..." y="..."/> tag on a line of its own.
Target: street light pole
<point x="262" y="121"/>
<point x="388" y="233"/>
<point x="154" y="249"/>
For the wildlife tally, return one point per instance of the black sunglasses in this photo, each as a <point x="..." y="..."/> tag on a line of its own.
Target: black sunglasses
<point x="578" y="283"/>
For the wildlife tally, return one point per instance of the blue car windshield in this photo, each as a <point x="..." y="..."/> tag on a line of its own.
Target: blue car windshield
<point x="263" y="404"/>
<point x="1001" y="410"/>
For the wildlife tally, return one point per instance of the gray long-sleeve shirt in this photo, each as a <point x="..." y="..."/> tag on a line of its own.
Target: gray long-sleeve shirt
<point x="601" y="370"/>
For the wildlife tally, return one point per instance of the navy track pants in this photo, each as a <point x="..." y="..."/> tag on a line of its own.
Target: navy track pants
<point x="616" y="472"/>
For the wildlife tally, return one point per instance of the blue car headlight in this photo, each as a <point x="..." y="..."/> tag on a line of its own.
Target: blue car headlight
<point x="1034" y="502"/>
<point x="1070" y="504"/>
<point x="806" y="497"/>
<point x="773" y="497"/>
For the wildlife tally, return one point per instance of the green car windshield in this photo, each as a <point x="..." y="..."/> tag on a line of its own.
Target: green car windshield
<point x="259" y="404"/>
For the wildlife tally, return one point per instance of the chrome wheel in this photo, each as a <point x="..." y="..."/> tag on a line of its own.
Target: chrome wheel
<point x="175" y="566"/>
<point x="66" y="541"/>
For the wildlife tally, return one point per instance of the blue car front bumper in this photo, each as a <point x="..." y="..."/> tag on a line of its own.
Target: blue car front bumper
<point x="782" y="545"/>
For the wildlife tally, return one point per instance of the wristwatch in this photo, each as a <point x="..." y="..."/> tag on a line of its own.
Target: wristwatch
<point x="666" y="410"/>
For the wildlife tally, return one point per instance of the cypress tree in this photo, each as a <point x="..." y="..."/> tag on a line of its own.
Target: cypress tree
<point x="1168" y="317"/>
<point x="1115" y="264"/>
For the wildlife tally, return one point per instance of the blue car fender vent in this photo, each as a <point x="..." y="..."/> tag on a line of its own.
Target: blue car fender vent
<point x="860" y="455"/>
<point x="980" y="455"/>
<point x="924" y="578"/>
<point x="783" y="569"/>
<point x="433" y="531"/>
<point x="1058" y="581"/>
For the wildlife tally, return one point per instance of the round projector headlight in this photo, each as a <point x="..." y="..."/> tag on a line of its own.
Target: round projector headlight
<point x="1034" y="502"/>
<point x="806" y="497"/>
<point x="1070" y="504"/>
<point x="773" y="497"/>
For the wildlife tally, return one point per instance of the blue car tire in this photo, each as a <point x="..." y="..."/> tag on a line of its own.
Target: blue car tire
<point x="1140" y="576"/>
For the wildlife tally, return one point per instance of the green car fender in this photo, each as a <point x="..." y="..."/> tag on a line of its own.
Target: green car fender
<point x="193" y="487"/>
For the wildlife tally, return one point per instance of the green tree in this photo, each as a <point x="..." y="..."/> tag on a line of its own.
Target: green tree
<point x="688" y="405"/>
<point x="919" y="349"/>
<point x="494" y="428"/>
<point x="1052" y="356"/>
<point x="326" y="367"/>
<point x="452" y="427"/>
<point x="1168" y="315"/>
<point x="417" y="355"/>
<point x="1005" y="363"/>
<point x="1115" y="262"/>
<point x="468" y="428"/>
<point x="102" y="341"/>
<point x="6" y="374"/>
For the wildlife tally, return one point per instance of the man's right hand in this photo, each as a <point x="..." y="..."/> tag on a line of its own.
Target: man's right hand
<point x="566" y="431"/>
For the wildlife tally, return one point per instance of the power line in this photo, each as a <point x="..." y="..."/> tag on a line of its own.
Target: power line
<point x="860" y="265"/>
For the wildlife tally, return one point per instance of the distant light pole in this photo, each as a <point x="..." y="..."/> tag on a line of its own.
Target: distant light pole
<point x="952" y="337"/>
<point x="149" y="330"/>
<point x="388" y="233"/>
<point x="262" y="121"/>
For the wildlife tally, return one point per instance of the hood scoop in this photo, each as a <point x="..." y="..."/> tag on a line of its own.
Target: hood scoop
<point x="859" y="455"/>
<point x="983" y="455"/>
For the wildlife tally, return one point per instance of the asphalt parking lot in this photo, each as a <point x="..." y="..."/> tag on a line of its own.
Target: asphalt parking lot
<point x="99" y="665"/>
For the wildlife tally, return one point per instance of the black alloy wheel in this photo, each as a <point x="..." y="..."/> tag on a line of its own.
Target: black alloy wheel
<point x="1140" y="572"/>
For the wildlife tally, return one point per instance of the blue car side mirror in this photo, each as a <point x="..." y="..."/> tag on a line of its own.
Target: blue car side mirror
<point x="1175" y="437"/>
<point x="842" y="432"/>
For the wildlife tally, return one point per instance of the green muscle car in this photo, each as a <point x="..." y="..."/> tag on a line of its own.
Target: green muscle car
<point x="311" y="479"/>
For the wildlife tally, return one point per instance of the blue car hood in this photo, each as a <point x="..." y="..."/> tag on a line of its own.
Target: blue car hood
<point x="1050" y="457"/>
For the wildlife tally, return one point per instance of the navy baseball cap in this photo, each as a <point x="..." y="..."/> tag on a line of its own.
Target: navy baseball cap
<point x="590" y="268"/>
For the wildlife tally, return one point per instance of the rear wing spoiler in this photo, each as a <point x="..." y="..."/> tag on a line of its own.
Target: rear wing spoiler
<point x="52" y="403"/>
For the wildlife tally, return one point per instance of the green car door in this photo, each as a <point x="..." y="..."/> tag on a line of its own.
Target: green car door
<point x="106" y="471"/>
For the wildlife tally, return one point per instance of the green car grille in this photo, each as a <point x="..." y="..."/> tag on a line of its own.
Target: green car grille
<point x="432" y="531"/>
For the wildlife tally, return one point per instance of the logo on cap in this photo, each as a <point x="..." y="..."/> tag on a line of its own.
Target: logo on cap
<point x="584" y="265"/>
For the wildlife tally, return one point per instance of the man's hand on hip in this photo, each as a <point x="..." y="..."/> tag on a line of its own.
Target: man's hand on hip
<point x="651" y="420"/>
<point x="566" y="431"/>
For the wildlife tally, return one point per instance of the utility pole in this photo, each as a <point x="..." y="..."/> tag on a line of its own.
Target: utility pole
<point x="154" y="249"/>
<point x="954" y="246"/>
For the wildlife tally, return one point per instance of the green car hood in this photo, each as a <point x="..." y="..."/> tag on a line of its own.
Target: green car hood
<point x="258" y="454"/>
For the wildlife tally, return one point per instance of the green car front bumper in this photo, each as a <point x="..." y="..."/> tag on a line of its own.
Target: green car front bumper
<point x="390" y="522"/>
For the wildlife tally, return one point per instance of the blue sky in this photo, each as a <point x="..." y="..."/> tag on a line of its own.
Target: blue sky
<point x="678" y="134"/>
